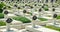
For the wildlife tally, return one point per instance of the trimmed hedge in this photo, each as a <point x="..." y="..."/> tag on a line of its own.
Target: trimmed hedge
<point x="53" y="27"/>
<point x="1" y="15"/>
<point x="2" y="23"/>
<point x="42" y="19"/>
<point x="22" y="19"/>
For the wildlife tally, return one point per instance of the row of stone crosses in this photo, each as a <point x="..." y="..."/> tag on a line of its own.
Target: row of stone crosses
<point x="9" y="20"/>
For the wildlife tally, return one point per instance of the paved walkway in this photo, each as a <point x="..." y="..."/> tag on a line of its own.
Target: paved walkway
<point x="40" y="29"/>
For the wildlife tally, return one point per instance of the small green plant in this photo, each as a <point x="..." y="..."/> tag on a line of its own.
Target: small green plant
<point x="1" y="15"/>
<point x="2" y="23"/>
<point x="42" y="19"/>
<point x="22" y="19"/>
<point x="46" y="8"/>
<point x="1" y="6"/>
<point x="58" y="17"/>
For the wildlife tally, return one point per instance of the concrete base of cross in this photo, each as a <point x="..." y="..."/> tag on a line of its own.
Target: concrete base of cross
<point x="39" y="29"/>
<point x="12" y="30"/>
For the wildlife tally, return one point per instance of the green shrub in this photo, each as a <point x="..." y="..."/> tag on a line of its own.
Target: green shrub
<point x="23" y="19"/>
<point x="58" y="17"/>
<point x="1" y="10"/>
<point x="42" y="19"/>
<point x="1" y="6"/>
<point x="2" y="23"/>
<point x="53" y="27"/>
<point x="1" y="15"/>
<point x="46" y="8"/>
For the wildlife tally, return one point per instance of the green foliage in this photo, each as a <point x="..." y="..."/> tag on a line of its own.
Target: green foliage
<point x="53" y="27"/>
<point x="2" y="23"/>
<point x="1" y="15"/>
<point x="23" y="19"/>
<point x="42" y="19"/>
<point x="30" y="13"/>
<point x="1" y="10"/>
<point x="1" y="6"/>
<point x="46" y="8"/>
<point x="58" y="17"/>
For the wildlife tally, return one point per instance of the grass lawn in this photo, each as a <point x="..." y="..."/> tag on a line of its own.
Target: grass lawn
<point x="53" y="27"/>
<point x="22" y="19"/>
<point x="42" y="19"/>
<point x="2" y="23"/>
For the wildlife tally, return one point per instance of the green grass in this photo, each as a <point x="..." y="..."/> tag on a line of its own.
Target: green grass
<point x="53" y="27"/>
<point x="2" y="23"/>
<point x="1" y="15"/>
<point x="58" y="17"/>
<point x="22" y="19"/>
<point x="42" y="19"/>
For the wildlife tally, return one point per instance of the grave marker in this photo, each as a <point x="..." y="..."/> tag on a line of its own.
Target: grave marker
<point x="33" y="19"/>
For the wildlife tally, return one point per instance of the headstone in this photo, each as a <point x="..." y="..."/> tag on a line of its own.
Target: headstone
<point x="25" y="4"/>
<point x="46" y="1"/>
<point x="18" y="7"/>
<point x="2" y="0"/>
<point x="40" y="10"/>
<point x="52" y="0"/>
<point x="9" y="20"/>
<point x="53" y="9"/>
<point x="12" y="0"/>
<point x="17" y="0"/>
<point x="4" y="8"/>
<point x="15" y="5"/>
<point x="55" y="15"/>
<point x="53" y="6"/>
<point x="42" y="6"/>
<point x="31" y="7"/>
<point x="34" y="17"/>
<point x="24" y="11"/>
<point x="9" y="7"/>
<point x="6" y="12"/>
<point x="35" y="5"/>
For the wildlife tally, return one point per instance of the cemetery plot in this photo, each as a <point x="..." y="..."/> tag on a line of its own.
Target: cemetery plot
<point x="29" y="16"/>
